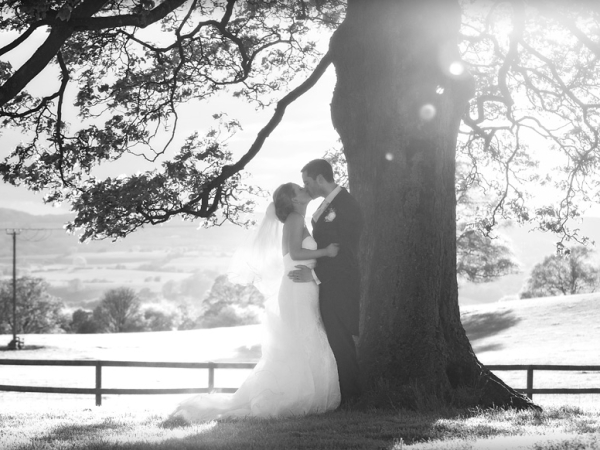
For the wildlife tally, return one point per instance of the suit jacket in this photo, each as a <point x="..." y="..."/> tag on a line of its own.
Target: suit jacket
<point x="340" y="223"/>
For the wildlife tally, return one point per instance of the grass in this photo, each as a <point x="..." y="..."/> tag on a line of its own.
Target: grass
<point x="563" y="330"/>
<point x="103" y="429"/>
<point x="135" y="268"/>
<point x="551" y="330"/>
<point x="214" y="344"/>
<point x="559" y="330"/>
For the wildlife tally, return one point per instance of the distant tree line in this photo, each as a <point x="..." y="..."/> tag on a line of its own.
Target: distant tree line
<point x="121" y="310"/>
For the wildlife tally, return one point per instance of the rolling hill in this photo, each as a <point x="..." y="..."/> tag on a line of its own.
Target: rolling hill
<point x="152" y="259"/>
<point x="179" y="246"/>
<point x="548" y="330"/>
<point x="44" y="234"/>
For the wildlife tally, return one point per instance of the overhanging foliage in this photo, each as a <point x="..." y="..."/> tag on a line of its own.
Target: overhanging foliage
<point x="129" y="65"/>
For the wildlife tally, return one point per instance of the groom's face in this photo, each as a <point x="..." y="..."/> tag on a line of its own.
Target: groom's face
<point x="311" y="185"/>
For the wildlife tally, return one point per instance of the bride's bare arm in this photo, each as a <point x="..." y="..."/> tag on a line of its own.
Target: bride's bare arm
<point x="293" y="232"/>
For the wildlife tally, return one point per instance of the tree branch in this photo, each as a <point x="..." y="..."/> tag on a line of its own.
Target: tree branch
<point x="46" y="52"/>
<point x="572" y="27"/>
<point x="229" y="171"/>
<point x="228" y="12"/>
<point x="58" y="135"/>
<point x="141" y="20"/>
<point x="22" y="38"/>
<point x="280" y="111"/>
<point x="513" y="53"/>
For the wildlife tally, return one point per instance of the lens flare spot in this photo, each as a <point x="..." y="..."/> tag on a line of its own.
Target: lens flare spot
<point x="389" y="156"/>
<point x="427" y="111"/>
<point x="456" y="68"/>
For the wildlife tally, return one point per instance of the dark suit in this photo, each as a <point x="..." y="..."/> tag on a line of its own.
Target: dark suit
<point x="339" y="291"/>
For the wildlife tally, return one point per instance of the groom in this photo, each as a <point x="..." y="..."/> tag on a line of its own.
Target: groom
<point x="337" y="220"/>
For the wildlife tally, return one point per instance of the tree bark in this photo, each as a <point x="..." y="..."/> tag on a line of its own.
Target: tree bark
<point x="397" y="106"/>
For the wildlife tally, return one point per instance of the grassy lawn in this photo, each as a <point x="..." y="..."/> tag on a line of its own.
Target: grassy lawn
<point x="539" y="331"/>
<point x="126" y="428"/>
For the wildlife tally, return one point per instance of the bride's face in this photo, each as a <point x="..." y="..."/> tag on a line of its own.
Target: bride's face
<point x="301" y="195"/>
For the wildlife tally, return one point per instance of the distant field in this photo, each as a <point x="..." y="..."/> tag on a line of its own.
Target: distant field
<point x="189" y="259"/>
<point x="147" y="259"/>
<point x="214" y="245"/>
<point x="108" y="275"/>
<point x="81" y="277"/>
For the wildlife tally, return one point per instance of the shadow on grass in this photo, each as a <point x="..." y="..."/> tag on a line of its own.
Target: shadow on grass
<point x="333" y="430"/>
<point x="66" y="431"/>
<point x="347" y="429"/>
<point x="479" y="326"/>
<point x="487" y="348"/>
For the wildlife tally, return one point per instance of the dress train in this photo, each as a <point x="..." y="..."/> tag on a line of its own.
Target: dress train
<point x="297" y="372"/>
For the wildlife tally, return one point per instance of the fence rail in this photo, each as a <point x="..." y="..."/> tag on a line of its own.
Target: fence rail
<point x="530" y="368"/>
<point x="98" y="390"/>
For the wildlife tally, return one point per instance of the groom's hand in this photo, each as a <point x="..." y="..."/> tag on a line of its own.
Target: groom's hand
<point x="302" y="274"/>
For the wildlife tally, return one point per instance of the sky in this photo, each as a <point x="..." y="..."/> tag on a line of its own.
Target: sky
<point x="305" y="133"/>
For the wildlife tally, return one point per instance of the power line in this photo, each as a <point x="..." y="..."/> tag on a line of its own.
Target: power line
<point x="37" y="237"/>
<point x="33" y="229"/>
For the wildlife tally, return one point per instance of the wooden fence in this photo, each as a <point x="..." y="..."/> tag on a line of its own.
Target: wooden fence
<point x="529" y="390"/>
<point x="98" y="391"/>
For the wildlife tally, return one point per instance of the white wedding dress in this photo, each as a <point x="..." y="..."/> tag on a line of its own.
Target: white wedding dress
<point x="296" y="373"/>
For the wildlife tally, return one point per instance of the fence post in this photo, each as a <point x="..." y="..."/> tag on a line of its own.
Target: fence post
<point x="98" y="383"/>
<point x="211" y="376"/>
<point x="530" y="382"/>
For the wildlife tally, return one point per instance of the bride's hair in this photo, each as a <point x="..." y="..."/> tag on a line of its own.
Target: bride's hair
<point x="282" y="199"/>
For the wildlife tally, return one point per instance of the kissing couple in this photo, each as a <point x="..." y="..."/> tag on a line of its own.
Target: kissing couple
<point x="308" y="363"/>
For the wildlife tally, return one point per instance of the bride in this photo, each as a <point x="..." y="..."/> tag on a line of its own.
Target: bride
<point x="297" y="372"/>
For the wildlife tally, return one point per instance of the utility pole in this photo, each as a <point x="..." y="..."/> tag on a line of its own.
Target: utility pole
<point x="17" y="343"/>
<point x="14" y="343"/>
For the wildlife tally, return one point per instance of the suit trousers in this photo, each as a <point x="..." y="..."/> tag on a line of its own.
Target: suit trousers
<point x="341" y="341"/>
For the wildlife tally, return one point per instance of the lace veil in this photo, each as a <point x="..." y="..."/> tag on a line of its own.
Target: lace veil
<point x="260" y="262"/>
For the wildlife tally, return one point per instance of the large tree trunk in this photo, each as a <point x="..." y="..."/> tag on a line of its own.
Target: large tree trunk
<point x="397" y="107"/>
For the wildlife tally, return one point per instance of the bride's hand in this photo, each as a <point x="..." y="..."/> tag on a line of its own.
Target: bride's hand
<point x="332" y="250"/>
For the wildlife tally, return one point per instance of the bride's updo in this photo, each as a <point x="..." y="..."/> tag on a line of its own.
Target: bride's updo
<point x="282" y="199"/>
